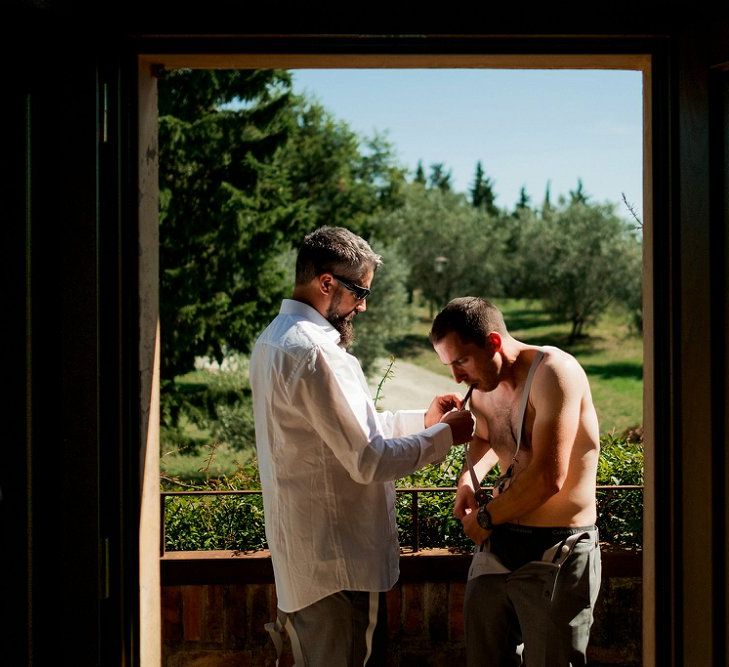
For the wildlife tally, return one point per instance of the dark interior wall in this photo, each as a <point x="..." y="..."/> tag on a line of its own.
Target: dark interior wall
<point x="67" y="477"/>
<point x="50" y="476"/>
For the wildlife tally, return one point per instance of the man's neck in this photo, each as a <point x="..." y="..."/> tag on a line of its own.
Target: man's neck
<point x="304" y="295"/>
<point x="516" y="361"/>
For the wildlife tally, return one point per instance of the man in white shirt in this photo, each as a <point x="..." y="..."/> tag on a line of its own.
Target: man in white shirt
<point x="327" y="459"/>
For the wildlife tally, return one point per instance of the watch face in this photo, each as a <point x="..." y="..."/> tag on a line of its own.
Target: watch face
<point x="484" y="518"/>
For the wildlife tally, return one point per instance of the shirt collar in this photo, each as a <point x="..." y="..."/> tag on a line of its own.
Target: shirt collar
<point x="304" y="310"/>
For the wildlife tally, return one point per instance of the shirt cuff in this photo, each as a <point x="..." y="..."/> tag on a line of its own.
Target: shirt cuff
<point x="409" y="421"/>
<point x="441" y="438"/>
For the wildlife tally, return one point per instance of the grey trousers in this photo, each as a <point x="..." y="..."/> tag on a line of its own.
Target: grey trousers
<point x="546" y="606"/>
<point x="346" y="629"/>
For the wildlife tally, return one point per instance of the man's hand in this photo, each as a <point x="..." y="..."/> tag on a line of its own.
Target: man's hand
<point x="462" y="425"/>
<point x="473" y="530"/>
<point x="465" y="501"/>
<point x="440" y="406"/>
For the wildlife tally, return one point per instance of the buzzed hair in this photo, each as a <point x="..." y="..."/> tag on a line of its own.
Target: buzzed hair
<point x="471" y="317"/>
<point x="334" y="250"/>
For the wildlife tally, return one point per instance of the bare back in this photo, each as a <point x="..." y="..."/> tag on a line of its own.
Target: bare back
<point x="560" y="431"/>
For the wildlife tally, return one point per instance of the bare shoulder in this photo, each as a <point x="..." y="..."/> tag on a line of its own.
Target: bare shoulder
<point x="559" y="373"/>
<point x="479" y="408"/>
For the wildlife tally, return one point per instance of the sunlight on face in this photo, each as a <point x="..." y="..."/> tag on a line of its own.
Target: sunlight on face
<point x="468" y="362"/>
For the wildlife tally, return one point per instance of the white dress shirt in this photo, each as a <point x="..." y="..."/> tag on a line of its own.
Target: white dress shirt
<point x="327" y="461"/>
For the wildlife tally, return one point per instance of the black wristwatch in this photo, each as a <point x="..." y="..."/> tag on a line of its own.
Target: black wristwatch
<point x="483" y="516"/>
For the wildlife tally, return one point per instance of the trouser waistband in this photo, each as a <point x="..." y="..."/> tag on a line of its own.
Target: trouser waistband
<point x="516" y="545"/>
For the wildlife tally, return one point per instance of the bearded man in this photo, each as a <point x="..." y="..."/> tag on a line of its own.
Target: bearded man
<point x="328" y="459"/>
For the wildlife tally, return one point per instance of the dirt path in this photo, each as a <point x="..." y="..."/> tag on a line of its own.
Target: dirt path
<point x="411" y="387"/>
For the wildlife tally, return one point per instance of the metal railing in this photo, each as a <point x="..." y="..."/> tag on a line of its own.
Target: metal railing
<point x="414" y="504"/>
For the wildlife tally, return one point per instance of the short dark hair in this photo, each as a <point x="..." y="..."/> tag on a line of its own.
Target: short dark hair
<point x="471" y="317"/>
<point x="334" y="250"/>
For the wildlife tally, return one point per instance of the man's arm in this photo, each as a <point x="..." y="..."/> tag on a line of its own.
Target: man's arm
<point x="556" y="395"/>
<point x="331" y="398"/>
<point x="482" y="457"/>
<point x="406" y="422"/>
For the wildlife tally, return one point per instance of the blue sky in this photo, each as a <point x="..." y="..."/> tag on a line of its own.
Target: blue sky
<point x="526" y="126"/>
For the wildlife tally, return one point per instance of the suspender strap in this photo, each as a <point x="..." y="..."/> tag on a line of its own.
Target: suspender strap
<point x="525" y="399"/>
<point x="276" y="631"/>
<point x="522" y="413"/>
<point x="374" y="608"/>
<point x="474" y="478"/>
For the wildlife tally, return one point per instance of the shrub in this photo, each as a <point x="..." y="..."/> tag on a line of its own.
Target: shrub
<point x="620" y="513"/>
<point x="237" y="522"/>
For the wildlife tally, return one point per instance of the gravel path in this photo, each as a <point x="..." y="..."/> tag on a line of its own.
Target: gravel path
<point x="411" y="387"/>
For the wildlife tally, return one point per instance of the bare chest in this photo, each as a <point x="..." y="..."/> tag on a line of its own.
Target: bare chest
<point x="498" y="421"/>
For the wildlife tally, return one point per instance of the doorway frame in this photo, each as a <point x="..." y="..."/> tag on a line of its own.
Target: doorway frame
<point x="648" y="56"/>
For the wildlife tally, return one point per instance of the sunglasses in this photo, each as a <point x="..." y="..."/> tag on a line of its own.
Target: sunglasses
<point x="360" y="293"/>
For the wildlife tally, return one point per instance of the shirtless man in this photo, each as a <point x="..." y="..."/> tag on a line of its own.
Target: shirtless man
<point x="536" y="571"/>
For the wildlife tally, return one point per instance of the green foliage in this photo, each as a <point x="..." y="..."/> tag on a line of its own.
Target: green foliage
<point x="215" y="401"/>
<point x="342" y="179"/>
<point x="387" y="314"/>
<point x="225" y="211"/>
<point x="234" y="522"/>
<point x="523" y="202"/>
<point x="578" y="195"/>
<point x="620" y="512"/>
<point x="239" y="186"/>
<point x="621" y="461"/>
<point x="482" y="192"/>
<point x="387" y="375"/>
<point x="450" y="247"/>
<point x="437" y="528"/>
<point x="440" y="177"/>
<point x="579" y="260"/>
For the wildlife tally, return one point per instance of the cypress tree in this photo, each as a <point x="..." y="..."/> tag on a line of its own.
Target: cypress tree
<point x="439" y="177"/>
<point x="482" y="192"/>
<point x="524" y="200"/>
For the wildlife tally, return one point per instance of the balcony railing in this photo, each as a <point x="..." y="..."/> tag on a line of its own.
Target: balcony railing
<point x="614" y="514"/>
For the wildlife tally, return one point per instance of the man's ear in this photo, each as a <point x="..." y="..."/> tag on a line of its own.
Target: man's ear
<point x="325" y="283"/>
<point x="494" y="340"/>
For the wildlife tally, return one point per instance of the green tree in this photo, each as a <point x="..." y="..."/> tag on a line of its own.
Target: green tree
<point x="578" y="195"/>
<point x="451" y="248"/>
<point x="420" y="174"/>
<point x="547" y="204"/>
<point x="226" y="210"/>
<point x="440" y="178"/>
<point x="340" y="178"/>
<point x="523" y="201"/>
<point x="579" y="261"/>
<point x="482" y="192"/>
<point x="388" y="313"/>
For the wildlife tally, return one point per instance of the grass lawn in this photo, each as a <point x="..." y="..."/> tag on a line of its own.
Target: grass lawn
<point x="611" y="355"/>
